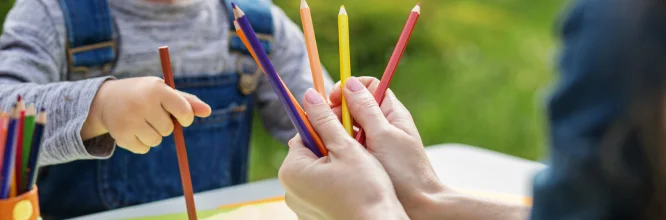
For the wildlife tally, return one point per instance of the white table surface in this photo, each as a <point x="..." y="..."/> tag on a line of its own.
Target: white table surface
<point x="458" y="166"/>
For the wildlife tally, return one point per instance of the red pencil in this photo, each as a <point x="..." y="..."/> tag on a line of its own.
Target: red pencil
<point x="20" y="106"/>
<point x="393" y="62"/>
<point x="181" y="151"/>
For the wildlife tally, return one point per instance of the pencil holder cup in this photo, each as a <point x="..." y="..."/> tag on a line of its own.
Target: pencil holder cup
<point x="22" y="207"/>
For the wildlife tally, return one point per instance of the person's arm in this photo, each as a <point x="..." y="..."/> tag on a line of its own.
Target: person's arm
<point x="451" y="205"/>
<point x="612" y="64"/>
<point x="291" y="62"/>
<point x="32" y="58"/>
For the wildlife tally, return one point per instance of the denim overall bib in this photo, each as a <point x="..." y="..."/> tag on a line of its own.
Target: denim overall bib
<point x="217" y="146"/>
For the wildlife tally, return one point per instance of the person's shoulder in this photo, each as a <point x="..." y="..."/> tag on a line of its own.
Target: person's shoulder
<point x="612" y="15"/>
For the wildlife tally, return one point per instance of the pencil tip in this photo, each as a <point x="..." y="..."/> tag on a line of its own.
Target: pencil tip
<point x="304" y="4"/>
<point x="417" y="8"/>
<point x="19" y="98"/>
<point x="233" y="5"/>
<point x="42" y="109"/>
<point x="236" y="25"/>
<point x="163" y="47"/>
<point x="238" y="13"/>
<point x="343" y="10"/>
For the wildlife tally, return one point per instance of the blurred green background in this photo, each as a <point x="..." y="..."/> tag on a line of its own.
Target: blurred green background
<point x="475" y="71"/>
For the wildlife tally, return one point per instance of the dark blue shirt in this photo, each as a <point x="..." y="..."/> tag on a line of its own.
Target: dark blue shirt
<point x="605" y="114"/>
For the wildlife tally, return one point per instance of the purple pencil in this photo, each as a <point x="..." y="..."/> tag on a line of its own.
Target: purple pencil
<point x="274" y="80"/>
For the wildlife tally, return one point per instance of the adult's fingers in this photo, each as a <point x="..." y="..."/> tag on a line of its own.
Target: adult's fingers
<point x="397" y="114"/>
<point x="336" y="94"/>
<point x="161" y="122"/>
<point x="297" y="159"/>
<point x="363" y="107"/>
<point x="324" y="121"/>
<point x="177" y="105"/>
<point x="200" y="108"/>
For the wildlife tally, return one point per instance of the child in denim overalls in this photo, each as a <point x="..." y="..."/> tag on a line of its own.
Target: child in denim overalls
<point x="89" y="43"/>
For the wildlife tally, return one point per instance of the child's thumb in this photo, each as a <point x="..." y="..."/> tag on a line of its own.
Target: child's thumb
<point x="200" y="108"/>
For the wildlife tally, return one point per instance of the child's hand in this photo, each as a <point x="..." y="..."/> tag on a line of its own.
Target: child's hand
<point x="392" y="137"/>
<point x="349" y="183"/>
<point x="137" y="112"/>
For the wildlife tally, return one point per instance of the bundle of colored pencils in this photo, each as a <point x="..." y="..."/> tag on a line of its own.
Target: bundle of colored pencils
<point x="310" y="138"/>
<point x="21" y="132"/>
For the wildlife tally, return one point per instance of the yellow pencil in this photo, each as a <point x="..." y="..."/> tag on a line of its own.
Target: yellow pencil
<point x="345" y="65"/>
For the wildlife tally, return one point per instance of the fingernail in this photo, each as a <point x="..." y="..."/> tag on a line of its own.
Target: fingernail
<point x="313" y="97"/>
<point x="354" y="85"/>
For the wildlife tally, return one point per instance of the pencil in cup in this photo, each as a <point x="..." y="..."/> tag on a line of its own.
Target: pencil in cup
<point x="9" y="154"/>
<point x="345" y="66"/>
<point x="18" y="159"/>
<point x="28" y="131"/>
<point x="275" y="81"/>
<point x="393" y="62"/>
<point x="35" y="149"/>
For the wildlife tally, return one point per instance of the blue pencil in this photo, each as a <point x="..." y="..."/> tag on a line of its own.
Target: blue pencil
<point x="40" y="123"/>
<point x="274" y="80"/>
<point x="9" y="155"/>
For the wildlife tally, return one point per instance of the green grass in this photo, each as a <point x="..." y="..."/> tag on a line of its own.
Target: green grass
<point x="474" y="72"/>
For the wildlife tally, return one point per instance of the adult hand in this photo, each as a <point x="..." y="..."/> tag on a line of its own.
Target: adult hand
<point x="349" y="183"/>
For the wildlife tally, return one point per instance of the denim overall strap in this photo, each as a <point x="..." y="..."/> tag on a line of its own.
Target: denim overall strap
<point x="90" y="30"/>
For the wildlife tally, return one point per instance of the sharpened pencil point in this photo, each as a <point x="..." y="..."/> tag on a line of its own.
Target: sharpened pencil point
<point x="238" y="13"/>
<point x="417" y="9"/>
<point x="236" y="25"/>
<point x="233" y="5"/>
<point x="42" y="109"/>
<point x="343" y="11"/>
<point x="304" y="4"/>
<point x="19" y="98"/>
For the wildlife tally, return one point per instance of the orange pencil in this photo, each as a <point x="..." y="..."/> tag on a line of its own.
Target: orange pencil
<point x="301" y="113"/>
<point x="4" y="119"/>
<point x="181" y="151"/>
<point x="311" y="45"/>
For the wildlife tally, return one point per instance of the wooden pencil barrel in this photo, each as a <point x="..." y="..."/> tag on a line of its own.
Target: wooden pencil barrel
<point x="22" y="207"/>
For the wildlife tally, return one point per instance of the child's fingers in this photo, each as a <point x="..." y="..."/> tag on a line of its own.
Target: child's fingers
<point x="370" y="82"/>
<point x="200" y="108"/>
<point x="364" y="108"/>
<point x="325" y="123"/>
<point x="133" y="145"/>
<point x="398" y="115"/>
<point x="161" y="122"/>
<point x="147" y="135"/>
<point x="177" y="106"/>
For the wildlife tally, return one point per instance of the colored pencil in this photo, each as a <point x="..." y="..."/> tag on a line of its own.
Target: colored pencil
<point x="181" y="151"/>
<point x="28" y="131"/>
<point x="345" y="65"/>
<point x="9" y="155"/>
<point x="35" y="149"/>
<point x="393" y="62"/>
<point x="274" y="80"/>
<point x="301" y="113"/>
<point x="4" y="119"/>
<point x="18" y="161"/>
<point x="311" y="46"/>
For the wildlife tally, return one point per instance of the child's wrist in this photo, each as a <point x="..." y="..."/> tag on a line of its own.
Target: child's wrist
<point x="94" y="126"/>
